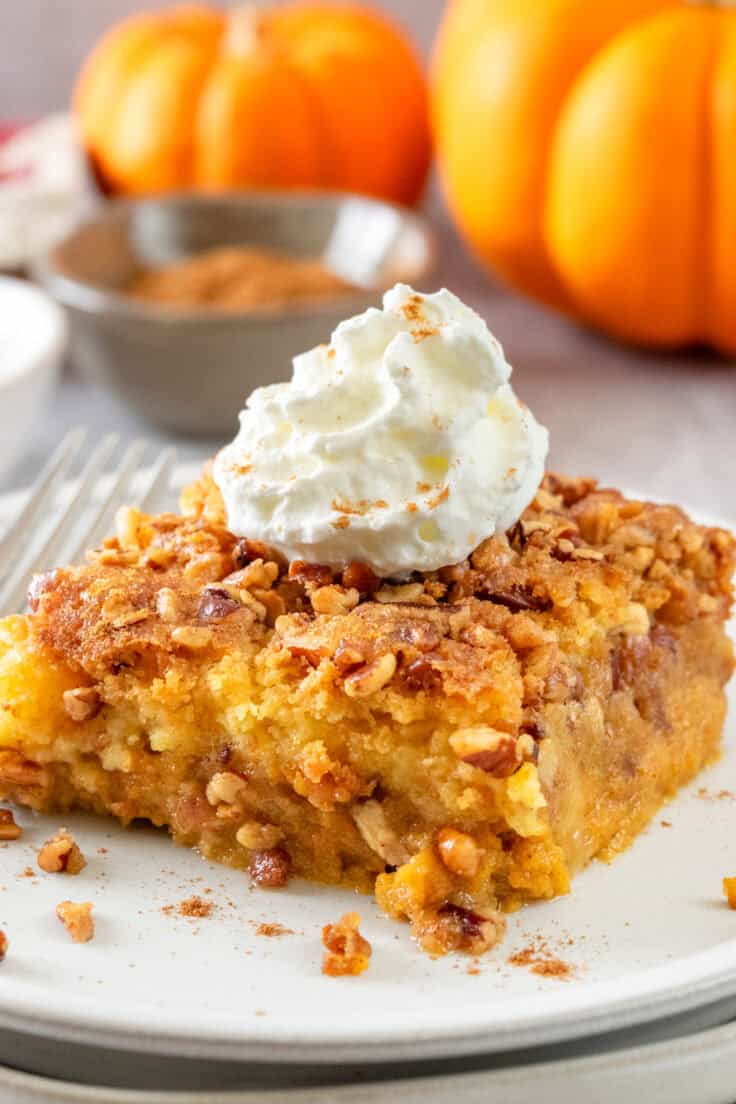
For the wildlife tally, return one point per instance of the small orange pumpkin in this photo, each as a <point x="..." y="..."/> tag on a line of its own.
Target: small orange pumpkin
<point x="301" y="96"/>
<point x="588" y="152"/>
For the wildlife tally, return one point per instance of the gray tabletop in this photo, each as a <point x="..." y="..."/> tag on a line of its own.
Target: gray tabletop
<point x="662" y="425"/>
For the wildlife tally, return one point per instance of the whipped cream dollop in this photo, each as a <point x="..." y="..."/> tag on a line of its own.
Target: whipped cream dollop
<point x="400" y="444"/>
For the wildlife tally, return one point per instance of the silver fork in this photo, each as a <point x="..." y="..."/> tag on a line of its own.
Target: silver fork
<point x="93" y="487"/>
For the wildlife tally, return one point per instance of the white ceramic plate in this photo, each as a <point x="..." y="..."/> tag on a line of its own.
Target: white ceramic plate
<point x="700" y="1069"/>
<point x="648" y="937"/>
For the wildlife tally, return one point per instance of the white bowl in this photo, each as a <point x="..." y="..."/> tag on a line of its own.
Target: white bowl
<point x="33" y="339"/>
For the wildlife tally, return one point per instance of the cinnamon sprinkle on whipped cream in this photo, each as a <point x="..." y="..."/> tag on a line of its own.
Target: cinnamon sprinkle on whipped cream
<point x="401" y="444"/>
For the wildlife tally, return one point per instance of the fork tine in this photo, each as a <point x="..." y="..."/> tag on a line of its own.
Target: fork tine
<point x="159" y="479"/>
<point x="103" y="516"/>
<point x="48" y="480"/>
<point x="12" y="597"/>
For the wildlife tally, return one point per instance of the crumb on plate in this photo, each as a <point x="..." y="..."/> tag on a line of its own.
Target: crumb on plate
<point x="61" y="855"/>
<point x="195" y="907"/>
<point x="541" y="962"/>
<point x="3" y="945"/>
<point x="273" y="930"/>
<point x="77" y="919"/>
<point x="347" y="952"/>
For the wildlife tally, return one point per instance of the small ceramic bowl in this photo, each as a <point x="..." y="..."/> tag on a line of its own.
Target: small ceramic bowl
<point x="33" y="339"/>
<point x="190" y="370"/>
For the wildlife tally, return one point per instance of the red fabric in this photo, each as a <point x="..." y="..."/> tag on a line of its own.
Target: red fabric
<point x="7" y="130"/>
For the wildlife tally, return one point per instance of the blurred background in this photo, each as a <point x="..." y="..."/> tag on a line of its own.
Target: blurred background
<point x="33" y="26"/>
<point x="561" y="198"/>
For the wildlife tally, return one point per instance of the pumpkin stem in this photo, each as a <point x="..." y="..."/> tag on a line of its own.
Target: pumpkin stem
<point x="246" y="26"/>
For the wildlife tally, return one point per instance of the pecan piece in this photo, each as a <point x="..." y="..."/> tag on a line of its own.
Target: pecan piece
<point x="517" y="597"/>
<point x="497" y="753"/>
<point x="347" y="952"/>
<point x="225" y="787"/>
<point x="61" y="855"/>
<point x="455" y="928"/>
<point x="473" y="925"/>
<point x="310" y="575"/>
<point x="246" y="551"/>
<point x="359" y="576"/>
<point x="371" y="822"/>
<point x="82" y="704"/>
<point x="169" y="605"/>
<point x="15" y="770"/>
<point x="192" y="636"/>
<point x="255" y="836"/>
<point x="404" y="592"/>
<point x="77" y="919"/>
<point x="459" y="852"/>
<point x="270" y="868"/>
<point x="313" y="656"/>
<point x="216" y="604"/>
<point x="333" y="600"/>
<point x="9" y="830"/>
<point x="372" y="677"/>
<point x="348" y="656"/>
<point x="421" y="675"/>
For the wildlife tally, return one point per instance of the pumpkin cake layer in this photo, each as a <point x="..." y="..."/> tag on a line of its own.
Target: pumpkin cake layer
<point x="458" y="744"/>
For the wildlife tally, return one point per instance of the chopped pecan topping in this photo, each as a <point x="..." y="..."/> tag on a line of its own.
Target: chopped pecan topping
<point x="333" y="600"/>
<point x="347" y="953"/>
<point x="518" y="597"/>
<point x="516" y="536"/>
<point x="371" y="822"/>
<point x="225" y="787"/>
<point x="9" y="830"/>
<point x="349" y="655"/>
<point x="191" y="813"/>
<point x="216" y="604"/>
<point x="3" y="945"/>
<point x="254" y="836"/>
<point x="497" y="753"/>
<point x="77" y="919"/>
<point x="169" y="605"/>
<point x="372" y="677"/>
<point x="270" y="868"/>
<point x="246" y="551"/>
<point x="360" y="577"/>
<point x="421" y="675"/>
<point x="406" y="592"/>
<point x="454" y="928"/>
<point x="61" y="855"/>
<point x="83" y="703"/>
<point x="421" y="635"/>
<point x="192" y="636"/>
<point x="459" y="852"/>
<point x="310" y="575"/>
<point x="313" y="656"/>
<point x="16" y="770"/>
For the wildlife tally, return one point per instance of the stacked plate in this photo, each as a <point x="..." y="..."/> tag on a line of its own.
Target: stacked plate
<point x="627" y="985"/>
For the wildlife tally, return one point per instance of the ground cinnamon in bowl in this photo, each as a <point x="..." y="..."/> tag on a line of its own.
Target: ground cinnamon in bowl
<point x="238" y="278"/>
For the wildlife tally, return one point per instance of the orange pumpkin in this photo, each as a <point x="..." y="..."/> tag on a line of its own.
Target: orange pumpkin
<point x="588" y="152"/>
<point x="300" y="96"/>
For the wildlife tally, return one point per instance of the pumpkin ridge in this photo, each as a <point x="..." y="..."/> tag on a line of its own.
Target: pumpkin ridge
<point x="299" y="125"/>
<point x="721" y="199"/>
